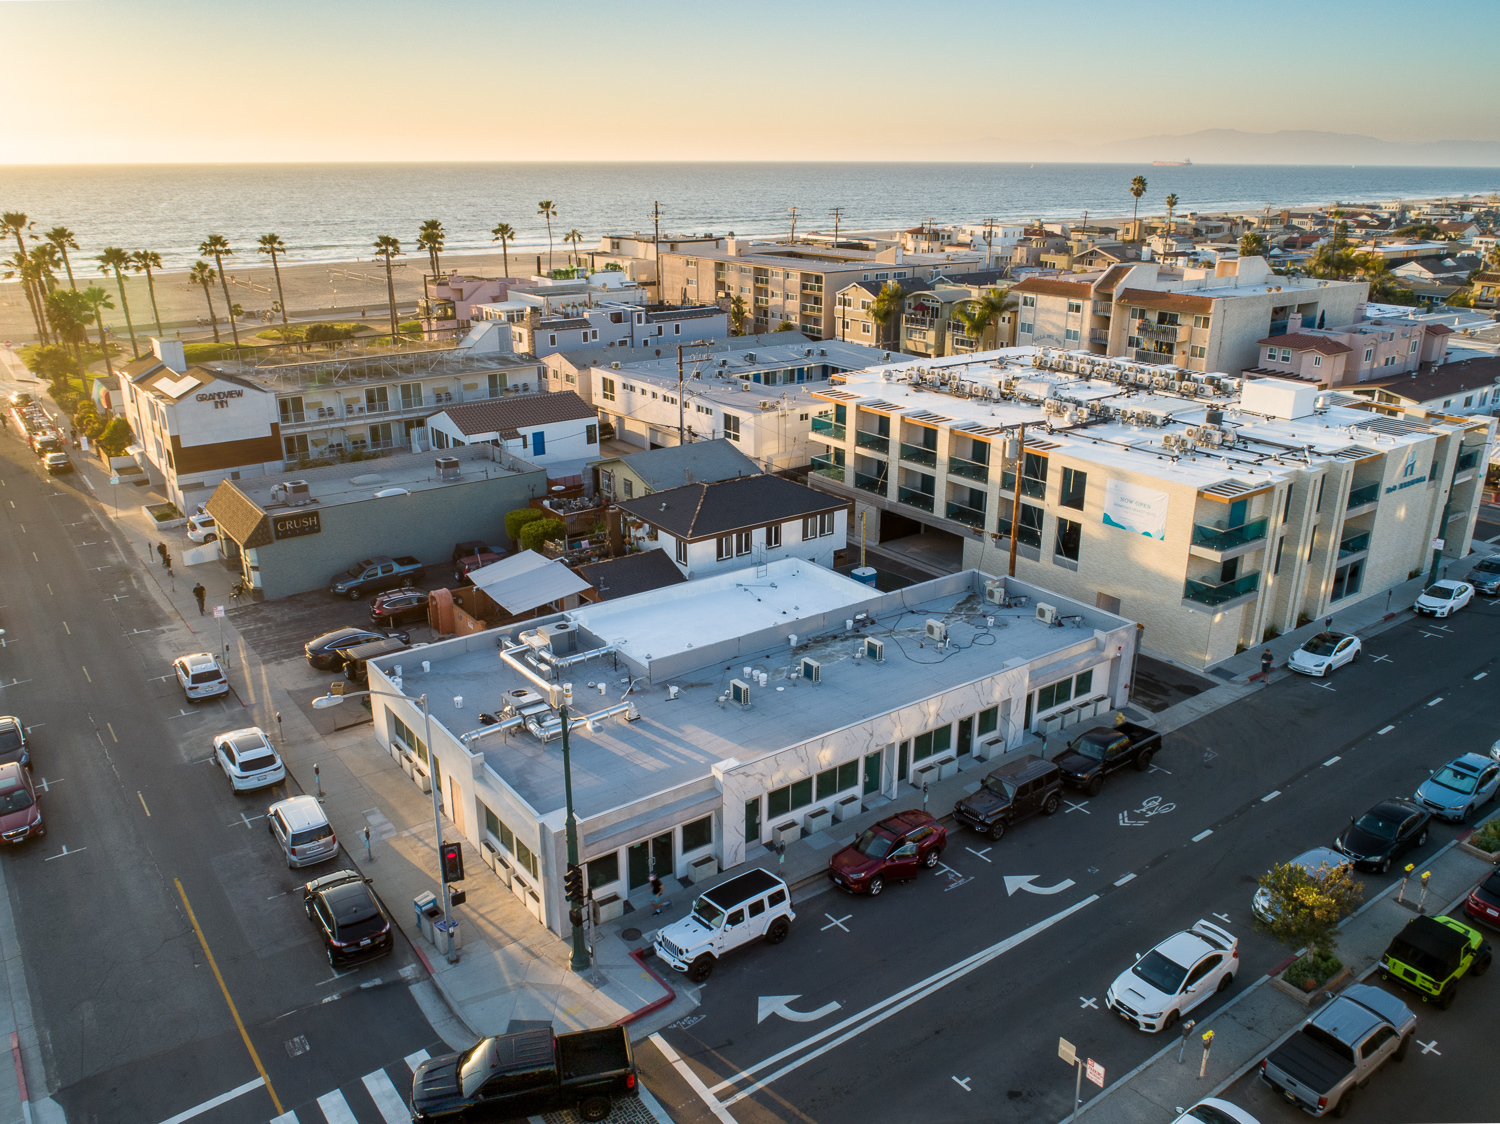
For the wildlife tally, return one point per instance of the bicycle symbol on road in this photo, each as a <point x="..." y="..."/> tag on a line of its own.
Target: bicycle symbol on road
<point x="1151" y="806"/>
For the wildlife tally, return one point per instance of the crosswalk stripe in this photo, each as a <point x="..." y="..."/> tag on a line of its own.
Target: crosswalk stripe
<point x="414" y="1060"/>
<point x="286" y="1118"/>
<point x="336" y="1109"/>
<point x="383" y="1092"/>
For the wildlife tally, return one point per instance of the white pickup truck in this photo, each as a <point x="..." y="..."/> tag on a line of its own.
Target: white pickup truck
<point x="752" y="906"/>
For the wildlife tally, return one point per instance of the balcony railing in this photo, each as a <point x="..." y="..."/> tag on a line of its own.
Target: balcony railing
<point x="914" y="498"/>
<point x="919" y="454"/>
<point x="1226" y="538"/>
<point x="1213" y="595"/>
<point x="917" y="320"/>
<point x="1358" y="497"/>
<point x="1099" y="335"/>
<point x="1171" y="332"/>
<point x="969" y="470"/>
<point x="829" y="427"/>
<point x="1007" y="480"/>
<point x="873" y="484"/>
<point x="1029" y="536"/>
<point x="1143" y="355"/>
<point x="969" y="516"/>
<point x="340" y="413"/>
<point x="1102" y="308"/>
<point x="1354" y="544"/>
<point x="1036" y="489"/>
<point x="824" y="466"/>
<point x="872" y="441"/>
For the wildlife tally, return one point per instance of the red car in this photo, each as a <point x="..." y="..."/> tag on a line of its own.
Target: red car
<point x="1483" y="902"/>
<point x="20" y="814"/>
<point x="896" y="848"/>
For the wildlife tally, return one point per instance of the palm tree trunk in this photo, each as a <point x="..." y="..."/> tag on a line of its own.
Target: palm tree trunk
<point x="156" y="315"/>
<point x="125" y="305"/>
<point x="280" y="295"/>
<point x="212" y="316"/>
<point x="505" y="254"/>
<point x="103" y="346"/>
<point x="390" y="291"/>
<point x="549" y="245"/>
<point x="69" y="267"/>
<point x="228" y="304"/>
<point x="36" y="318"/>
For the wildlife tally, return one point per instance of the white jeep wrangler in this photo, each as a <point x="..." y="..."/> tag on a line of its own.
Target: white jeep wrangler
<point x="756" y="904"/>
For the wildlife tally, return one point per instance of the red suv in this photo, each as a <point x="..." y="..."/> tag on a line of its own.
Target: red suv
<point x="895" y="848"/>
<point x="20" y="812"/>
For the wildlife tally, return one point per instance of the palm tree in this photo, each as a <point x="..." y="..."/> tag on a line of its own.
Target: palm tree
<point x="46" y="259"/>
<point x="1137" y="189"/>
<point x="203" y="274"/>
<point x="576" y="238"/>
<point x="218" y="246"/>
<point x="431" y="238"/>
<point x="504" y="233"/>
<point x="388" y="247"/>
<point x="97" y="300"/>
<point x="62" y="238"/>
<point x="1252" y="244"/>
<point x="548" y="212"/>
<point x="17" y="223"/>
<point x="273" y="245"/>
<point x="144" y="261"/>
<point x="19" y="265"/>
<point x="1171" y="206"/>
<point x="71" y="313"/>
<point x="115" y="260"/>
<point x="977" y="315"/>
<point x="886" y="307"/>
<point x="737" y="315"/>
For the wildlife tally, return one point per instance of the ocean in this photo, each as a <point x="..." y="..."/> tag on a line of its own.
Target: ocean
<point x="332" y="212"/>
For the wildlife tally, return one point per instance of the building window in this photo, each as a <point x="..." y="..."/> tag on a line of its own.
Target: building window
<point x="1198" y="352"/>
<point x="1270" y="355"/>
<point x="1028" y="302"/>
<point x="1286" y="355"/>
<point x="725" y="544"/>
<point x="1319" y="505"/>
<point x="629" y="487"/>
<point x="1317" y="360"/>
<point x="732" y="427"/>
<point x="1026" y="328"/>
<point x="1280" y="545"/>
<point x="742" y="542"/>
<point x="591" y="435"/>
<point x="682" y="552"/>
<point x="773" y="535"/>
<point x="552" y="340"/>
<point x="603" y="870"/>
<point x="1200" y="321"/>
<point x="934" y="741"/>
<point x="1413" y="349"/>
<point x="830" y="782"/>
<point x="699" y="833"/>
<point x="1346" y="581"/>
<point x="607" y="389"/>
<point x="780" y="801"/>
<point x="1070" y="335"/>
<point x="1369" y="354"/>
<point x="295" y="446"/>
<point x="1074" y="484"/>
<point x="1075" y="306"/>
<point x="1069" y="534"/>
<point x="825" y="524"/>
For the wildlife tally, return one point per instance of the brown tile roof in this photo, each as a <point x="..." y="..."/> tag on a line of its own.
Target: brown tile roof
<point x="1049" y="287"/>
<point x="1439" y="382"/>
<point x="1439" y="329"/>
<point x="509" y="415"/>
<point x="1297" y="341"/>
<point x="238" y="516"/>
<point x="1112" y="277"/>
<point x="1167" y="302"/>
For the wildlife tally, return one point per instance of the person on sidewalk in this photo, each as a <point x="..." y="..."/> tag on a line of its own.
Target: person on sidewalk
<point x="166" y="557"/>
<point x="657" y="904"/>
<point x="161" y="552"/>
<point x="1266" y="660"/>
<point x="200" y="593"/>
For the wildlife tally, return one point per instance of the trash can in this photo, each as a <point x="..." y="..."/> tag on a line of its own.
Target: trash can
<point x="447" y="936"/>
<point x="428" y="914"/>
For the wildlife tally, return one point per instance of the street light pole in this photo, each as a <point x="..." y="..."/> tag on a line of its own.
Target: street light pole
<point x="580" y="959"/>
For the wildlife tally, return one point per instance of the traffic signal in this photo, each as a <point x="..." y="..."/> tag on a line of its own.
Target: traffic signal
<point x="575" y="917"/>
<point x="573" y="883"/>
<point x="456" y="897"/>
<point x="453" y="862"/>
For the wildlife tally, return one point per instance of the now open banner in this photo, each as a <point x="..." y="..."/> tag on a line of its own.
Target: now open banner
<point x="1141" y="511"/>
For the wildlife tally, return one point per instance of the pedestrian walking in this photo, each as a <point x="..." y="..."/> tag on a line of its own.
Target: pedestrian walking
<point x="161" y="552"/>
<point x="200" y="593"/>
<point x="1328" y="625"/>
<point x="1266" y="660"/>
<point x="656" y="899"/>
<point x="166" y="558"/>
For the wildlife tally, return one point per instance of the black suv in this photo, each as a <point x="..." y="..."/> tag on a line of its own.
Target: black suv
<point x="344" y="908"/>
<point x="1012" y="792"/>
<point x="357" y="658"/>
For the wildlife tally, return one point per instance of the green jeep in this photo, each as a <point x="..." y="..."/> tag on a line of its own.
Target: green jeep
<point x="1430" y="955"/>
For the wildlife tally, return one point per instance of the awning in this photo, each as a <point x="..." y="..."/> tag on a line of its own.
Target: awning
<point x="527" y="581"/>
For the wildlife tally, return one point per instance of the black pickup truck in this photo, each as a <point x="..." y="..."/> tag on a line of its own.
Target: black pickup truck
<point x="1094" y="754"/>
<point x="373" y="574"/>
<point x="513" y="1076"/>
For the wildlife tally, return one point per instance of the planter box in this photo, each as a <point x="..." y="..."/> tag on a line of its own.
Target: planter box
<point x="1051" y="724"/>
<point x="608" y="908"/>
<point x="926" y="774"/>
<point x="534" y="906"/>
<point x="786" y="833"/>
<point x="519" y="888"/>
<point x="817" y="821"/>
<point x="421" y="779"/>
<point x="847" y="807"/>
<point x="1336" y="984"/>
<point x="503" y="871"/>
<point x="993" y="745"/>
<point x="406" y="763"/>
<point x="1487" y="856"/>
<point x="947" y="768"/>
<point x="701" y="869"/>
<point x="1067" y="716"/>
<point x="489" y="853"/>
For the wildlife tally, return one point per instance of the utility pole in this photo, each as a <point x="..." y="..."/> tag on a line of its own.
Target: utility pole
<point x="1015" y="507"/>
<point x="656" y="252"/>
<point x="837" y="213"/>
<point x="989" y="243"/>
<point x="681" y="437"/>
<point x="580" y="959"/>
<point x="794" y="224"/>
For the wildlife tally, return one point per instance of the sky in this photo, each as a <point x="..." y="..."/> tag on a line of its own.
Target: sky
<point x="188" y="81"/>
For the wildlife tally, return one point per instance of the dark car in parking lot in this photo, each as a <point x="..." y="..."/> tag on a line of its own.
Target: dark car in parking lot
<point x="326" y="653"/>
<point x="399" y="606"/>
<point x="1012" y="792"/>
<point x="348" y="916"/>
<point x="1096" y="753"/>
<point x="13" y="742"/>
<point x="1383" y="834"/>
<point x="1485" y="576"/>
<point x="357" y="658"/>
<point x="896" y="848"/>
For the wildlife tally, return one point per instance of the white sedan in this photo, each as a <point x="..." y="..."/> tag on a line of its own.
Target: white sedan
<point x="248" y="759"/>
<point x="1324" y="652"/>
<point x="1215" y="1111"/>
<point x="1175" y="976"/>
<point x="1444" y="597"/>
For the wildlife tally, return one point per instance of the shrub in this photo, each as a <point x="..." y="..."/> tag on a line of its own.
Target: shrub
<point x="1305" y="906"/>
<point x="411" y="328"/>
<point x="517" y="519"/>
<point x="169" y="511"/>
<point x="323" y="333"/>
<point x="116" y="437"/>
<point x="1318" y="966"/>
<point x="538" y="531"/>
<point x="1487" y="838"/>
<point x="1271" y="633"/>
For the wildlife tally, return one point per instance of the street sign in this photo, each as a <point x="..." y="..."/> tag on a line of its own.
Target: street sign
<point x="1095" y="1073"/>
<point x="1066" y="1051"/>
<point x="218" y="610"/>
<point x="1438" y="544"/>
<point x="114" y="479"/>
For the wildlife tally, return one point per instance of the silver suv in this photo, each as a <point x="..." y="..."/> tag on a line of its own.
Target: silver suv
<point x="303" y="831"/>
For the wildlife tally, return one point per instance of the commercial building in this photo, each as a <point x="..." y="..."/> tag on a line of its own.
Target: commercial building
<point x="1216" y="511"/>
<point x="685" y="768"/>
<point x="656" y="470"/>
<point x="611" y="325"/>
<point x="291" y="533"/>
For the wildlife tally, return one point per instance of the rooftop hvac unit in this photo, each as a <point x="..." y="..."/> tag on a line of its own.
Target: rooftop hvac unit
<point x="614" y="364"/>
<point x="298" y="493"/>
<point x="739" y="691"/>
<point x="874" y="649"/>
<point x="562" y="637"/>
<point x="812" y="670"/>
<point x="936" y="630"/>
<point x="994" y="593"/>
<point x="447" y="468"/>
<point x="1047" y="614"/>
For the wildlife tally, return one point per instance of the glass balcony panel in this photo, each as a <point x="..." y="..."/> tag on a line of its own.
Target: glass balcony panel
<point x="1368" y="494"/>
<point x="919" y="454"/>
<point x="1206" y="594"/>
<point x="1029" y="536"/>
<point x="1008" y="481"/>
<point x="824" y="466"/>
<point x="969" y="470"/>
<point x="1225" y="538"/>
<point x="1354" y="544"/>
<point x="875" y="484"/>
<point x="915" y="498"/>
<point x="969" y="516"/>
<point x="872" y="441"/>
<point x="828" y="426"/>
<point x="1036" y="489"/>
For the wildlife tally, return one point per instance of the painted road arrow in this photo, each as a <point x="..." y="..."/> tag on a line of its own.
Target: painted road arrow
<point x="780" y="1005"/>
<point x="1014" y="882"/>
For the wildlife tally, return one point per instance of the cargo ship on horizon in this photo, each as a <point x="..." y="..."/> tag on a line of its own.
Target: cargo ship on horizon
<point x="1171" y="163"/>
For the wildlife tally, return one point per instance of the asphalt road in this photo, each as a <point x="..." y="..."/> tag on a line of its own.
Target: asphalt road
<point x="943" y="999"/>
<point x="133" y="1021"/>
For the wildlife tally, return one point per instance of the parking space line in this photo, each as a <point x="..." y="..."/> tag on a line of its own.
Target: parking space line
<point x="1435" y="701"/>
<point x="1386" y="730"/>
<point x="1125" y="879"/>
<point x="1202" y="835"/>
<point x="414" y="1060"/>
<point x="1332" y="760"/>
<point x="1272" y="795"/>
<point x="1481" y="675"/>
<point x="143" y="804"/>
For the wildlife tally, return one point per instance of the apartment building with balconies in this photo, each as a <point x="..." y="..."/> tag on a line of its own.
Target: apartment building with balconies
<point x="1217" y="511"/>
<point x="1373" y="348"/>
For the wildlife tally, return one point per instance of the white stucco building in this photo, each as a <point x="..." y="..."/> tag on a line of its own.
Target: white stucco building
<point x="545" y="429"/>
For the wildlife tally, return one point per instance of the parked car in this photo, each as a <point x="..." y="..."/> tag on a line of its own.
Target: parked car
<point x="1383" y="834"/>
<point x="1431" y="954"/>
<point x="248" y="759"/>
<point x="1096" y="753"/>
<point x="1324" y="652"/>
<point x="1485" y="576"/>
<point x="466" y="566"/>
<point x="299" y="825"/>
<point x="1443" y="598"/>
<point x="1017" y="789"/>
<point x="348" y="916"/>
<point x="1215" y="1111"/>
<point x="473" y="547"/>
<point x="20" y="398"/>
<point x="356" y="658"/>
<point x="1460" y="788"/>
<point x="895" y="849"/>
<point x="1339" y="1049"/>
<point x="1483" y="902"/>
<point x="20" y="810"/>
<point x="202" y="528"/>
<point x="43" y="443"/>
<point x="326" y="652"/>
<point x="755" y="905"/>
<point x="200" y="676"/>
<point x="1175" y="977"/>
<point x="399" y="606"/>
<point x="373" y="574"/>
<point x="57" y="463"/>
<point x="527" y="1074"/>
<point x="1316" y="861"/>
<point x="13" y="742"/>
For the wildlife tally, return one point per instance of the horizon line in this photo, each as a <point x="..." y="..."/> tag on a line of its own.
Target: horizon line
<point x="19" y="164"/>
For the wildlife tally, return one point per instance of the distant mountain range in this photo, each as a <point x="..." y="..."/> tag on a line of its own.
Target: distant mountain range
<point x="1288" y="146"/>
